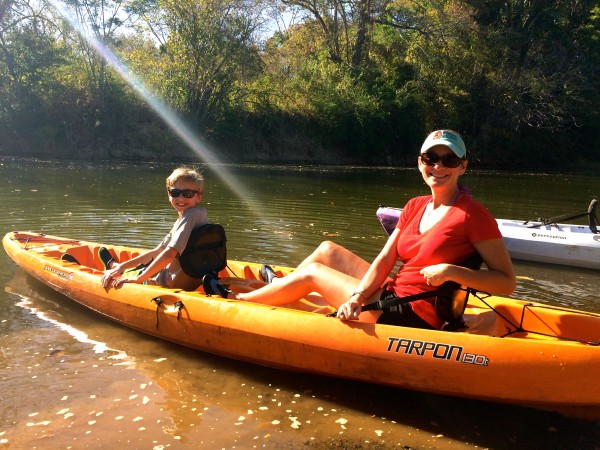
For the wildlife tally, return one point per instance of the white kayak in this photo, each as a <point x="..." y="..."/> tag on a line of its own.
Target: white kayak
<point x="543" y="240"/>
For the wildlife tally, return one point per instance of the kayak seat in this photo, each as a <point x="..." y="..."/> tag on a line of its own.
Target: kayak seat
<point x="206" y="251"/>
<point x="450" y="307"/>
<point x="450" y="299"/>
<point x="451" y="302"/>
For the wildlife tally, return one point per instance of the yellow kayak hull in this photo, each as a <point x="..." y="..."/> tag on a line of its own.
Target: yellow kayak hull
<point x="512" y="351"/>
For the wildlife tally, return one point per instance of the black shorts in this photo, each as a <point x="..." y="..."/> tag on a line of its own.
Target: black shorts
<point x="401" y="315"/>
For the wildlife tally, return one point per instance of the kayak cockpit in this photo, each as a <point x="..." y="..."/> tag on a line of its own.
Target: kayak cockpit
<point x="484" y="315"/>
<point x="501" y="317"/>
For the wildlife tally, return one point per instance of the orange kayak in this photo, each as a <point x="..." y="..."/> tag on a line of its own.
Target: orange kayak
<point x="512" y="351"/>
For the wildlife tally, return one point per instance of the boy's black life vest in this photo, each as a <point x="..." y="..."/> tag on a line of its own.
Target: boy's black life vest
<point x="206" y="251"/>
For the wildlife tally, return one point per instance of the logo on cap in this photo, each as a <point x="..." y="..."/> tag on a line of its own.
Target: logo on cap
<point x="445" y="135"/>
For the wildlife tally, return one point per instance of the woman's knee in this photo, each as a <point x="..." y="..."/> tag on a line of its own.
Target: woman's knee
<point x="327" y="251"/>
<point x="319" y="277"/>
<point x="341" y="259"/>
<point x="312" y="269"/>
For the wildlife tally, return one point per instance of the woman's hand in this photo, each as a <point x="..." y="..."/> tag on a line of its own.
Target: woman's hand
<point x="351" y="309"/>
<point x="437" y="274"/>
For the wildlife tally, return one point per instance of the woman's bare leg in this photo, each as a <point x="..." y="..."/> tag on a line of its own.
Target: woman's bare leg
<point x="336" y="287"/>
<point x="338" y="258"/>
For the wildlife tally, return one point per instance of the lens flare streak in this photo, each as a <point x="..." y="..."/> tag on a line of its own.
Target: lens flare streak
<point x="176" y="124"/>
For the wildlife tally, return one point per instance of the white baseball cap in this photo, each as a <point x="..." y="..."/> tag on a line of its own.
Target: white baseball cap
<point x="448" y="138"/>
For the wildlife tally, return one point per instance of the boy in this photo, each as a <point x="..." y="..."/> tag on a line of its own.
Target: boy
<point x="185" y="188"/>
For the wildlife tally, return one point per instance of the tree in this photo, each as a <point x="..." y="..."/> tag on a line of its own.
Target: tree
<point x="206" y="47"/>
<point x="345" y="25"/>
<point x="502" y="71"/>
<point x="31" y="55"/>
<point x="99" y="20"/>
<point x="541" y="75"/>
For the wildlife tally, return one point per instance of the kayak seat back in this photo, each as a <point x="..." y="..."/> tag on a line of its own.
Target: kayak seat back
<point x="206" y="251"/>
<point x="452" y="299"/>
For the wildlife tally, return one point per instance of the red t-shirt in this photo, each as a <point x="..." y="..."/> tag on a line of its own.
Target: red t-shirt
<point x="448" y="241"/>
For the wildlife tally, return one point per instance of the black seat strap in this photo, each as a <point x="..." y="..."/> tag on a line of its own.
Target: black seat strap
<point x="445" y="289"/>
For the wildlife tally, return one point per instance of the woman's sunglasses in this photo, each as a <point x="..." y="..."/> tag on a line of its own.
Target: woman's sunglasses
<point x="449" y="159"/>
<point x="187" y="193"/>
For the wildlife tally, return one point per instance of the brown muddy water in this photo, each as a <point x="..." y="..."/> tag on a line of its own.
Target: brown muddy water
<point x="72" y="379"/>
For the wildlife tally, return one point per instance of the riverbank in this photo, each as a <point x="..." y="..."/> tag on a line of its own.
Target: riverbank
<point x="327" y="164"/>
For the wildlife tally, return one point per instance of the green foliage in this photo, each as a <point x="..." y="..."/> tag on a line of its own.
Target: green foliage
<point x="29" y="78"/>
<point x="532" y="78"/>
<point x="355" y="81"/>
<point x="207" y="54"/>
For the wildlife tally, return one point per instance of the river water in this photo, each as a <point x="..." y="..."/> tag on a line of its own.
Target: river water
<point x="71" y="379"/>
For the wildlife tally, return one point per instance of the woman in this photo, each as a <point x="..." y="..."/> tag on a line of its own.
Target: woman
<point x="433" y="235"/>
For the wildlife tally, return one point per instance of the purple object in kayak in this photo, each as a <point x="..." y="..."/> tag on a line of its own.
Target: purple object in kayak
<point x="388" y="217"/>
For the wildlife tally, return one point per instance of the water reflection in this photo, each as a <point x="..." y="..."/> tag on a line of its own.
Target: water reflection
<point x="179" y="397"/>
<point x="557" y="285"/>
<point x="197" y="398"/>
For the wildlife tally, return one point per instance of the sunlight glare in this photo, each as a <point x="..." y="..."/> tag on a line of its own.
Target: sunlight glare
<point x="164" y="112"/>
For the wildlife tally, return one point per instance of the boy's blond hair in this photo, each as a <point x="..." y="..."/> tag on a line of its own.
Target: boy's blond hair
<point x="187" y="174"/>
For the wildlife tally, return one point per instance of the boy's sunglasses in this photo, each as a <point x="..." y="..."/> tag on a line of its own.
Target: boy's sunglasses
<point x="187" y="193"/>
<point x="449" y="159"/>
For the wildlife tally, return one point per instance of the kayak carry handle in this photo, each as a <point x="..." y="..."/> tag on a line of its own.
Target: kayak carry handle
<point x="158" y="302"/>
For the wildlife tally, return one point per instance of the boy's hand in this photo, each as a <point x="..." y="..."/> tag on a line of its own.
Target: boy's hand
<point x="110" y="275"/>
<point x="118" y="281"/>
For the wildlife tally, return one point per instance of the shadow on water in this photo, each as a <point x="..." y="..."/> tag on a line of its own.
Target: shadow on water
<point x="163" y="394"/>
<point x="569" y="287"/>
<point x="377" y="414"/>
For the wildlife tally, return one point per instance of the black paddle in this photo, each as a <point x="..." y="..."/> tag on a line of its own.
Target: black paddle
<point x="590" y="213"/>
<point x="592" y="216"/>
